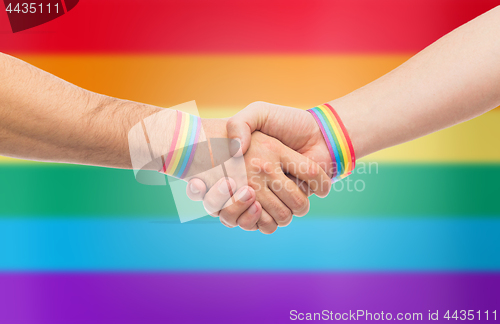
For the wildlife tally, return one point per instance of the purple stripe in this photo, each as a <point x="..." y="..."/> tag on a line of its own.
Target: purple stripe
<point x="234" y="297"/>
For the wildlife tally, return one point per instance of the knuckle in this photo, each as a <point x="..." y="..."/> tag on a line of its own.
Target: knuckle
<point x="258" y="162"/>
<point x="287" y="223"/>
<point x="231" y="124"/>
<point x="264" y="141"/>
<point x="282" y="215"/>
<point x="265" y="223"/>
<point x="210" y="204"/>
<point x="228" y="216"/>
<point x="246" y="223"/>
<point x="255" y="104"/>
<point x="269" y="229"/>
<point x="299" y="202"/>
<point x="313" y="170"/>
<point x="267" y="167"/>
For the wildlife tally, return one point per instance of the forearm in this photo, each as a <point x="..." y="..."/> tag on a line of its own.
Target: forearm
<point x="45" y="118"/>
<point x="455" y="79"/>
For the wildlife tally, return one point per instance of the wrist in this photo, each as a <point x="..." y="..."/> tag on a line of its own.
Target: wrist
<point x="358" y="122"/>
<point x="337" y="140"/>
<point x="109" y="121"/>
<point x="203" y="158"/>
<point x="213" y="128"/>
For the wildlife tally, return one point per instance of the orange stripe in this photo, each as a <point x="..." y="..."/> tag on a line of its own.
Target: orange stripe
<point x="223" y="85"/>
<point x="225" y="82"/>
<point x="220" y="80"/>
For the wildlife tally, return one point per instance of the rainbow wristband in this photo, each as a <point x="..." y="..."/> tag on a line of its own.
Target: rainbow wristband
<point x="183" y="147"/>
<point x="337" y="139"/>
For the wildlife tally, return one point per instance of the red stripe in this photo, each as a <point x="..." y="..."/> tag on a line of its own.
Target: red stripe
<point x="228" y="26"/>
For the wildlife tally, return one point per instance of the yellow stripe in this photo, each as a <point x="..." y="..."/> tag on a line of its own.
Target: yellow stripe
<point x="340" y="137"/>
<point x="479" y="135"/>
<point x="180" y="143"/>
<point x="475" y="141"/>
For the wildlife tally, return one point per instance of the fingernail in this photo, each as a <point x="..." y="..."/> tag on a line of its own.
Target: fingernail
<point x="225" y="224"/>
<point x="253" y="209"/>
<point x="244" y="195"/>
<point x="224" y="187"/>
<point x="193" y="189"/>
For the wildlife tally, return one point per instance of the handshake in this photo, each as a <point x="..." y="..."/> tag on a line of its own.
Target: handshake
<point x="287" y="154"/>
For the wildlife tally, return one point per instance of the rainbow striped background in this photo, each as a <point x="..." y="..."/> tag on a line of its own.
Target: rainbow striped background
<point x="90" y="245"/>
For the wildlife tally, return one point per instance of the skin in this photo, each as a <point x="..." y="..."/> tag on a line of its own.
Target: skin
<point x="453" y="80"/>
<point x="277" y="197"/>
<point x="44" y="118"/>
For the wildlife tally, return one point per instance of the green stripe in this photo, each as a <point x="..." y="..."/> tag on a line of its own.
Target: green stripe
<point x="396" y="191"/>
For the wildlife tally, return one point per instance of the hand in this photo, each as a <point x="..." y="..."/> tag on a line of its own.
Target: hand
<point x="294" y="127"/>
<point x="277" y="196"/>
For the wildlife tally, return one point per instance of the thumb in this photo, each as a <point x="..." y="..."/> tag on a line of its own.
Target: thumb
<point x="243" y="124"/>
<point x="196" y="189"/>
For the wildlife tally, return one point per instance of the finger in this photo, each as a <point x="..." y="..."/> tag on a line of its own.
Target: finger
<point x="225" y="224"/>
<point x="289" y="193"/>
<point x="307" y="170"/>
<point x="196" y="189"/>
<point x="244" y="123"/>
<point x="281" y="214"/>
<point x="266" y="223"/>
<point x="301" y="184"/>
<point x="248" y="220"/>
<point x="218" y="195"/>
<point x="231" y="211"/>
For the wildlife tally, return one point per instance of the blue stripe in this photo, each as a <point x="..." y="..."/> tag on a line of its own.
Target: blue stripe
<point x="345" y="244"/>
